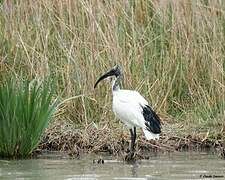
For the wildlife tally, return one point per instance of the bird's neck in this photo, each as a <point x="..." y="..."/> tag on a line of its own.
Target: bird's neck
<point x="116" y="84"/>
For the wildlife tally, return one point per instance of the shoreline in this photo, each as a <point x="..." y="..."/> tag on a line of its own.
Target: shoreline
<point x="60" y="136"/>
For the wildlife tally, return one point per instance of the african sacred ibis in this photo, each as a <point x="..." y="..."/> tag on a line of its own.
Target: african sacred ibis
<point x="132" y="109"/>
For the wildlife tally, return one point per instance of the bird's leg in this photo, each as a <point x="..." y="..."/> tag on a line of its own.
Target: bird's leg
<point x="130" y="154"/>
<point x="133" y="140"/>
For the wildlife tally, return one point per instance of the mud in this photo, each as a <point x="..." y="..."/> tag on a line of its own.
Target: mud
<point x="115" y="141"/>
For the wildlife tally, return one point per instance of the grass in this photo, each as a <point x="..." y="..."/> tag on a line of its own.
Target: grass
<point x="25" y="110"/>
<point x="173" y="53"/>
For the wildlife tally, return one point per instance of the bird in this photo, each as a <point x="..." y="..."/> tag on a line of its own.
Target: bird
<point x="132" y="109"/>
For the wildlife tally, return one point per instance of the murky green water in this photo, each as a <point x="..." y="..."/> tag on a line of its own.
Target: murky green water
<point x="182" y="165"/>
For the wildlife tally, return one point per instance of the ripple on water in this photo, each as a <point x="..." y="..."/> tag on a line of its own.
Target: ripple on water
<point x="181" y="165"/>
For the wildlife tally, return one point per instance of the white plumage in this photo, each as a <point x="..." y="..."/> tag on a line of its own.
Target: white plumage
<point x="132" y="109"/>
<point x="127" y="106"/>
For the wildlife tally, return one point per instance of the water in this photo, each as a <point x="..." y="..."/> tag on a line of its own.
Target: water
<point x="181" y="165"/>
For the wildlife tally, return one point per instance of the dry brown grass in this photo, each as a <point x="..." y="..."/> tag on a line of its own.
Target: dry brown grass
<point x="63" y="136"/>
<point x="172" y="53"/>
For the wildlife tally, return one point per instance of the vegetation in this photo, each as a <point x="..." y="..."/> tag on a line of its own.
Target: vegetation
<point x="25" y="110"/>
<point x="173" y="53"/>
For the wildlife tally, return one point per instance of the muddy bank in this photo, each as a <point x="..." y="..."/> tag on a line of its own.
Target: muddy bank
<point x="62" y="136"/>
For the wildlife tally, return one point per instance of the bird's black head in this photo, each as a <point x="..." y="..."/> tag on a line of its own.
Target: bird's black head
<point x="115" y="71"/>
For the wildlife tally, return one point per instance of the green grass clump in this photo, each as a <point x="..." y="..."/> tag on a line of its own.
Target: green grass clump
<point x="25" y="110"/>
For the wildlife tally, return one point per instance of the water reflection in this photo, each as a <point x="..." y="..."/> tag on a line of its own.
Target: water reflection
<point x="134" y="168"/>
<point x="185" y="165"/>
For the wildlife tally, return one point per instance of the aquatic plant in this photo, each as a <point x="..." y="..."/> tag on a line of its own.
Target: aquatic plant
<point x="25" y="110"/>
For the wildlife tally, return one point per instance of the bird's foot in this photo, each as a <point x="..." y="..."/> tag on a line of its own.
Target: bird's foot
<point x="130" y="156"/>
<point x="133" y="156"/>
<point x="141" y="156"/>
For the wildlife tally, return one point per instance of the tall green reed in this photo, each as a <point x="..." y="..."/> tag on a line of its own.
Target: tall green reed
<point x="26" y="107"/>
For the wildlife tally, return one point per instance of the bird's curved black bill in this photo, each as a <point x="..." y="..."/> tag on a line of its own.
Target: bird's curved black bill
<point x="110" y="73"/>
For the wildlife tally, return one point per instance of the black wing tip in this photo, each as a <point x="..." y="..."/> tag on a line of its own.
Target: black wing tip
<point x="153" y="129"/>
<point x="152" y="120"/>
